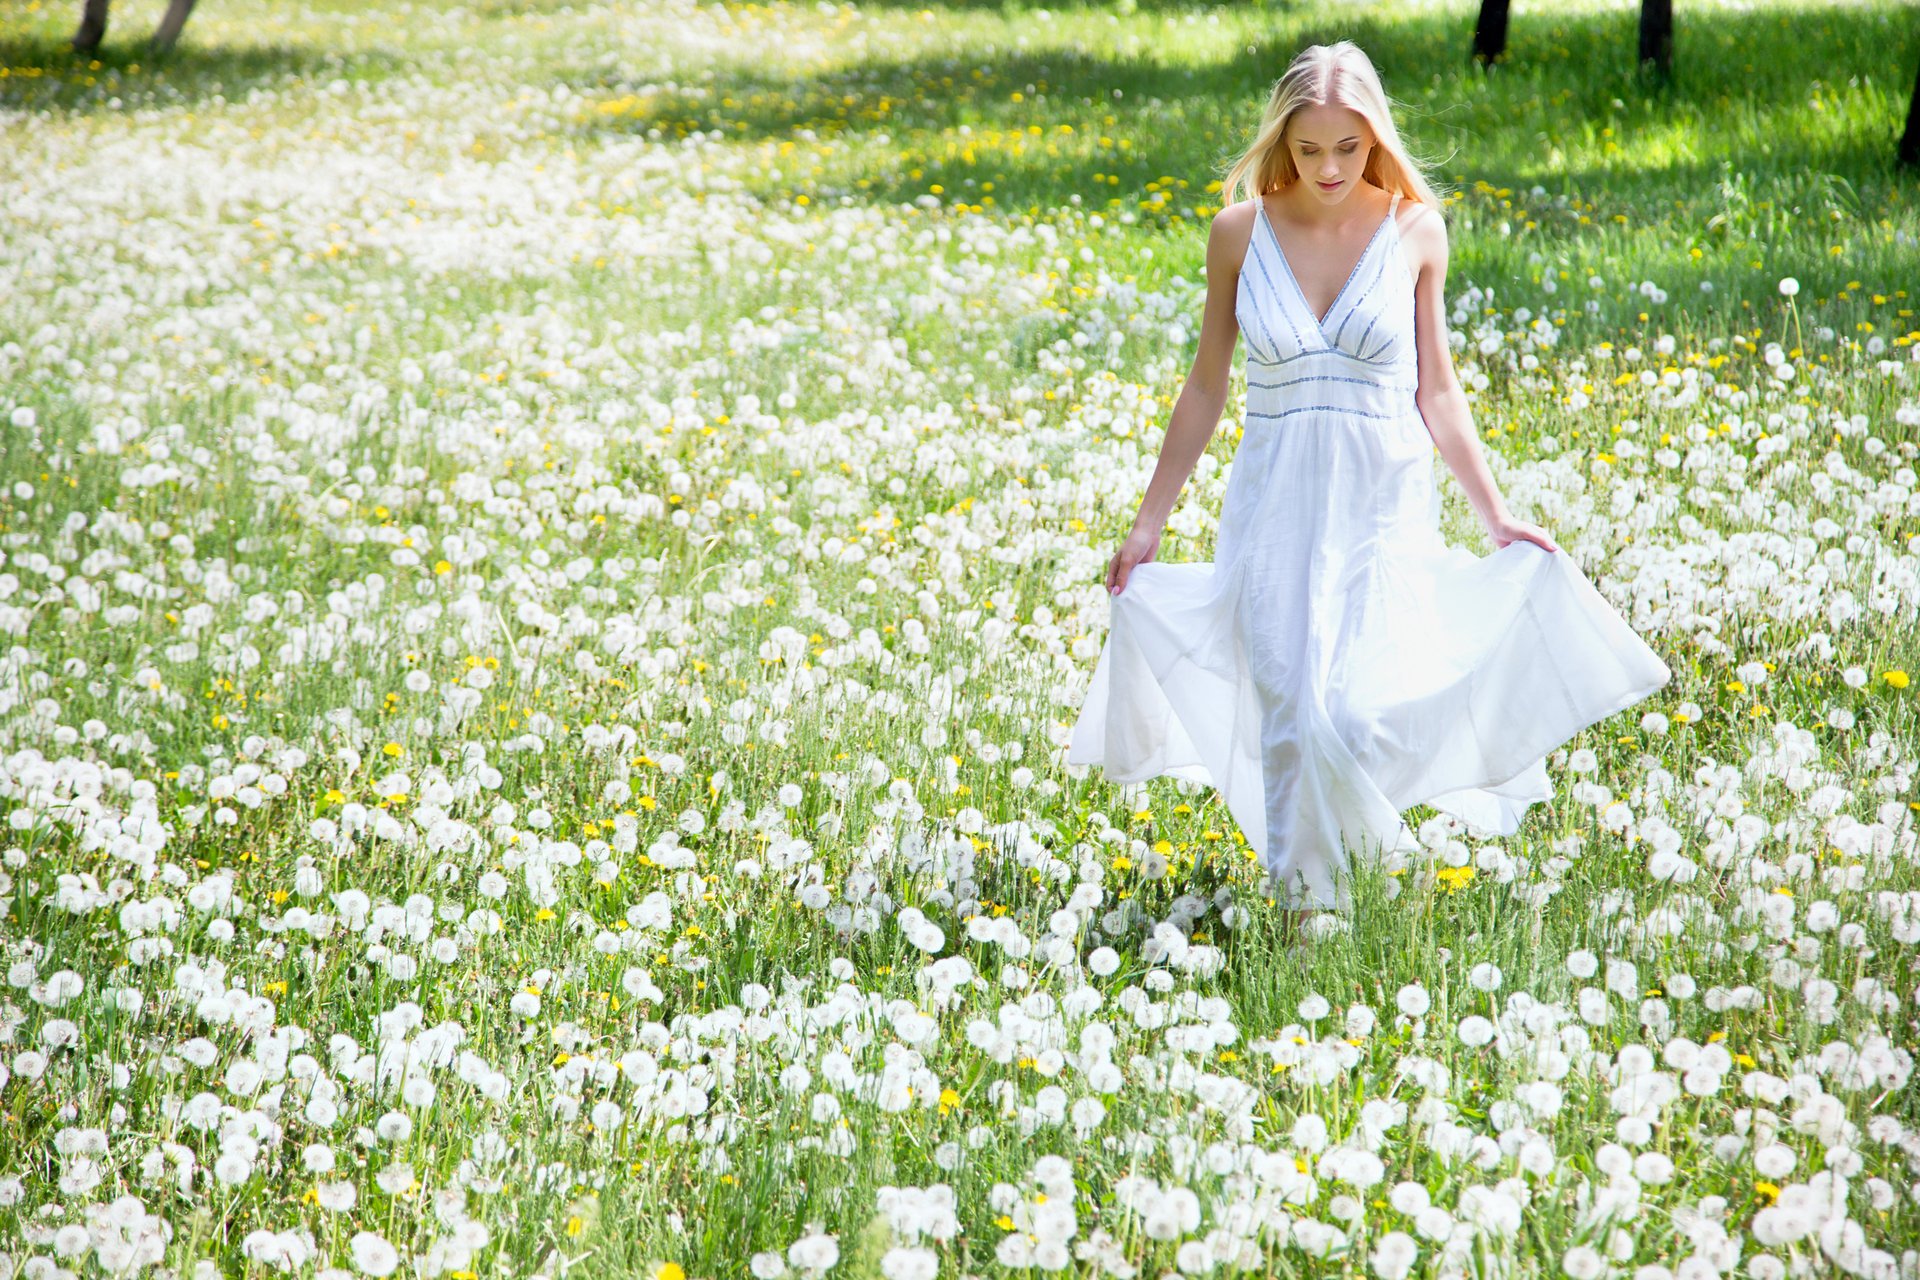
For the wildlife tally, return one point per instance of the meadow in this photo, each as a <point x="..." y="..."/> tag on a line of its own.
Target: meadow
<point x="549" y="553"/>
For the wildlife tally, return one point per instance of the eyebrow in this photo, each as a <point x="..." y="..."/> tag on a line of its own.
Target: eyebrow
<point x="1308" y="142"/>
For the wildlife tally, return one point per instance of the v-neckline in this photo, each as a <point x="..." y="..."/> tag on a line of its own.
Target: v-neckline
<point x="1320" y="322"/>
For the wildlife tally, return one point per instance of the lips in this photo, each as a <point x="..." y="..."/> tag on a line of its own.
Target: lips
<point x="1327" y="186"/>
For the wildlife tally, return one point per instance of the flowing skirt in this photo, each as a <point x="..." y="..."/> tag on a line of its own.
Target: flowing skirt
<point x="1321" y="696"/>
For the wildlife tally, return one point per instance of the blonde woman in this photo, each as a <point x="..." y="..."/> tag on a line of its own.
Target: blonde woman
<point x="1337" y="662"/>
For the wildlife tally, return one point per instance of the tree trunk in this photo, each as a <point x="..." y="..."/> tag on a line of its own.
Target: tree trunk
<point x="1656" y="35"/>
<point x="169" y="29"/>
<point x="1490" y="31"/>
<point x="1910" y="140"/>
<point x="93" y="27"/>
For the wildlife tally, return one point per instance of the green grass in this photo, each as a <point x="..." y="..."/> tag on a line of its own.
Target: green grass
<point x="699" y="302"/>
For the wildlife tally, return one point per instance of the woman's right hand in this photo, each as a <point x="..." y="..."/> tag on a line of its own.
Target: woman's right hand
<point x="1138" y="548"/>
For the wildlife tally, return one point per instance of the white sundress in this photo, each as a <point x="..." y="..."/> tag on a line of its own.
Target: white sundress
<point x="1337" y="662"/>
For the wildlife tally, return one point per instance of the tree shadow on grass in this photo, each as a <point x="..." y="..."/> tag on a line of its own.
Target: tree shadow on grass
<point x="47" y="76"/>
<point x="1124" y="8"/>
<point x="1049" y="127"/>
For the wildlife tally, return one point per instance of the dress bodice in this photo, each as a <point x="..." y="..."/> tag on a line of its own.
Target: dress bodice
<point x="1359" y="358"/>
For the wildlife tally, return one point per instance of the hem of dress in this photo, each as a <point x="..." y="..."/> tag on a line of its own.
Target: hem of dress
<point x="1632" y="698"/>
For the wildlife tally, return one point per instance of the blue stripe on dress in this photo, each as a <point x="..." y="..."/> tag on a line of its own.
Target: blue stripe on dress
<point x="1260" y="322"/>
<point x="1313" y="377"/>
<point x="1322" y="408"/>
<point x="1272" y="292"/>
<point x="1365" y="293"/>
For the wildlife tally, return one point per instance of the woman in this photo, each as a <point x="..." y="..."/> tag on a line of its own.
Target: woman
<point x="1338" y="662"/>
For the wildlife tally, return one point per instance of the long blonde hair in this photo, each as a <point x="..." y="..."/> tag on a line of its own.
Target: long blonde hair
<point x="1341" y="74"/>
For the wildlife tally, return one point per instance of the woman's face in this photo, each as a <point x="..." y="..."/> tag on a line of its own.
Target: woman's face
<point x="1330" y="145"/>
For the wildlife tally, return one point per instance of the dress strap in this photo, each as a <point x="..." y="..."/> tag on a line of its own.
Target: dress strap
<point x="1393" y="204"/>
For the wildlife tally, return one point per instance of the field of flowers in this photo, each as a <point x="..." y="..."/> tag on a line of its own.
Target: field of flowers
<point x="548" y="554"/>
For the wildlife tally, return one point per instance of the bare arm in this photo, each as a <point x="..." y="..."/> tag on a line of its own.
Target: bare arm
<point x="1196" y="412"/>
<point x="1442" y="403"/>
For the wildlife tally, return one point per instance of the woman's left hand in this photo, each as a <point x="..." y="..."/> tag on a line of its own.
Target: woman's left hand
<point x="1507" y="530"/>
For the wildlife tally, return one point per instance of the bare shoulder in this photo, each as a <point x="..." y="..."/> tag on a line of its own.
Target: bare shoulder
<point x="1231" y="232"/>
<point x="1424" y="233"/>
